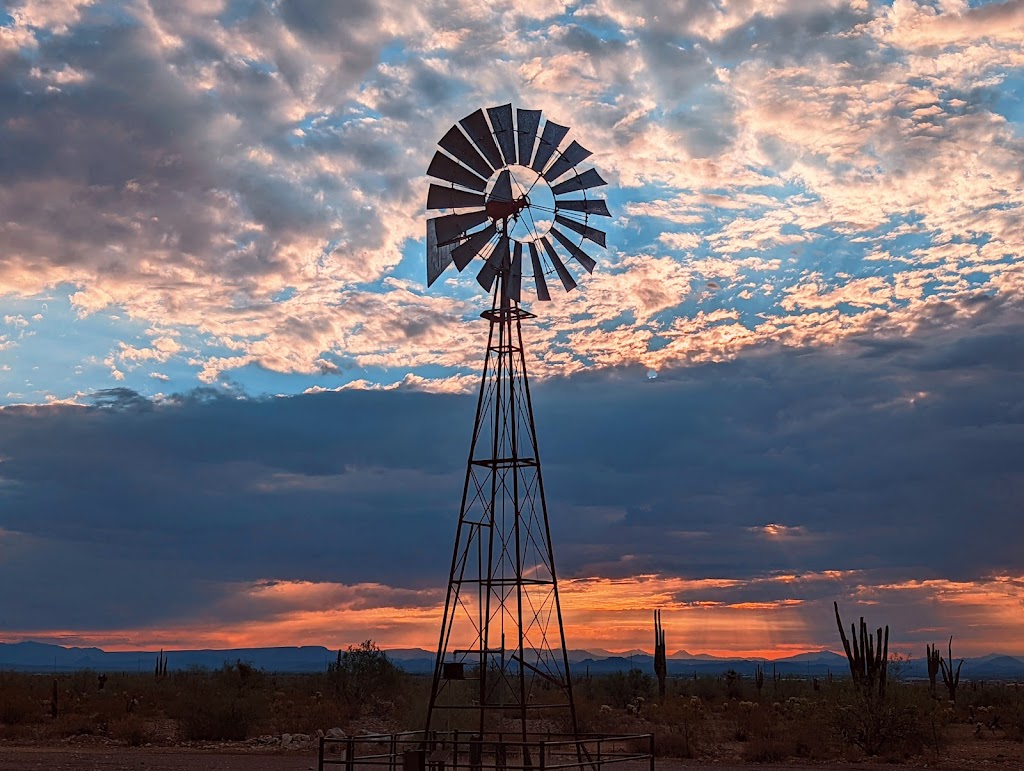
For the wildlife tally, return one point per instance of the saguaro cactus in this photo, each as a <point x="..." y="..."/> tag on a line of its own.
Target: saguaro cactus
<point x="160" y="671"/>
<point x="869" y="658"/>
<point x="934" y="659"/>
<point x="759" y="678"/>
<point x="949" y="677"/>
<point x="660" y="663"/>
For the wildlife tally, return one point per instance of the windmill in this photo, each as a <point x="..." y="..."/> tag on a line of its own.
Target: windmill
<point x="516" y="198"/>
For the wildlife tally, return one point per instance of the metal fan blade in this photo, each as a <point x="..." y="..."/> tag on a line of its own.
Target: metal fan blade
<point x="527" y="122"/>
<point x="451" y="198"/>
<point x="504" y="131"/>
<point x="438" y="257"/>
<point x="453" y="226"/>
<point x="464" y="253"/>
<point x="595" y="235"/>
<point x="553" y="134"/>
<point x="478" y="130"/>
<point x="497" y="261"/>
<point x="514" y="285"/>
<point x="581" y="256"/>
<point x="443" y="167"/>
<point x="587" y="205"/>
<point x="563" y="272"/>
<point x="588" y="179"/>
<point x="538" y="274"/>
<point x="456" y="143"/>
<point x="574" y="154"/>
<point x="502" y="190"/>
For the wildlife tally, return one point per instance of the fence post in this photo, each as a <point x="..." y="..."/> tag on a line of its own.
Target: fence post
<point x="650" y="748"/>
<point x="542" y="760"/>
<point x="320" y="755"/>
<point x="350" y="754"/>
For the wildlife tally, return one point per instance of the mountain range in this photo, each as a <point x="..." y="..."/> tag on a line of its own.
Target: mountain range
<point x="44" y="657"/>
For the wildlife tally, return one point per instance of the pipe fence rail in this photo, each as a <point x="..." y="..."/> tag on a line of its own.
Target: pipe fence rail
<point x="466" y="751"/>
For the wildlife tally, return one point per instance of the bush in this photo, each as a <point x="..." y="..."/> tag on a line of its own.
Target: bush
<point x="361" y="672"/>
<point x="132" y="730"/>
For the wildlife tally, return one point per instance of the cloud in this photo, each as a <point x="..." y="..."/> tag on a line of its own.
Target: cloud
<point x="757" y="489"/>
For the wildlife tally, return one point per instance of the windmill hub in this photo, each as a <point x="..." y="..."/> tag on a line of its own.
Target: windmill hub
<point x="501" y="210"/>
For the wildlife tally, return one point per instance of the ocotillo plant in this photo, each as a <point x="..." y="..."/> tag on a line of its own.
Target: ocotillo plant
<point x="949" y="677"/>
<point x="934" y="658"/>
<point x="660" y="664"/>
<point x="869" y="659"/>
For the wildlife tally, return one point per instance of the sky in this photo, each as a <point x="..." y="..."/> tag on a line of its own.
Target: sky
<point x="232" y="413"/>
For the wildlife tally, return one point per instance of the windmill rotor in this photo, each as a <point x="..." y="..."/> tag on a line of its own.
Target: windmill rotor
<point x="509" y="193"/>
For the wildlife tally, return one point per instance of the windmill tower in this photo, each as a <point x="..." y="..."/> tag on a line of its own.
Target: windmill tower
<point x="512" y="194"/>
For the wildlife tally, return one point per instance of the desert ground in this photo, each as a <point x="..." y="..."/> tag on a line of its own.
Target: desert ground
<point x="240" y="718"/>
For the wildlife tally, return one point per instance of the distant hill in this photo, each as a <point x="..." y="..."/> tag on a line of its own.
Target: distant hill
<point x="43" y="657"/>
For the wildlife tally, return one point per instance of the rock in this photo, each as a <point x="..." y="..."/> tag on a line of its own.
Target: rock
<point x="335" y="733"/>
<point x="286" y="739"/>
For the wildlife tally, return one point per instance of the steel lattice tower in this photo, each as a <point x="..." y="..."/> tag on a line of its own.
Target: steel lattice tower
<point x="503" y="620"/>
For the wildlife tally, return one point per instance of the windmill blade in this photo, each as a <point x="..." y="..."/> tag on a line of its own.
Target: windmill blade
<point x="438" y="257"/>
<point x="504" y="132"/>
<point x="586" y="205"/>
<point x="538" y="274"/>
<point x="502" y="190"/>
<point x="574" y="154"/>
<point x="527" y="122"/>
<point x="563" y="272"/>
<point x="464" y="253"/>
<point x="452" y="198"/>
<point x="462" y="149"/>
<point x="549" y="140"/>
<point x="588" y="179"/>
<point x="454" y="226"/>
<point x="581" y="256"/>
<point x="443" y="167"/>
<point x="497" y="261"/>
<point x="478" y="130"/>
<point x="514" y="285"/>
<point x="595" y="235"/>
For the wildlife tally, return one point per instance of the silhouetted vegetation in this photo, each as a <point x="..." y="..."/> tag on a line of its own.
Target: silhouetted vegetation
<point x="721" y="718"/>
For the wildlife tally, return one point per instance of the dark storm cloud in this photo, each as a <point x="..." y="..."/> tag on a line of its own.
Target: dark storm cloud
<point x="900" y="459"/>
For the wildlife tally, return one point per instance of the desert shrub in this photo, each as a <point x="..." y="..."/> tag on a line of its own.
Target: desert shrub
<point x="893" y="725"/>
<point x="216" y="719"/>
<point x="620" y="689"/>
<point x="15" y="709"/>
<point x="733" y="682"/>
<point x="363" y="671"/>
<point x="132" y="730"/>
<point x="684" y="718"/>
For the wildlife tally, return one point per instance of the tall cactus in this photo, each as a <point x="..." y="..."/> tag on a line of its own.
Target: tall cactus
<point x="869" y="658"/>
<point x="934" y="659"/>
<point x="949" y="677"/>
<point x="660" y="663"/>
